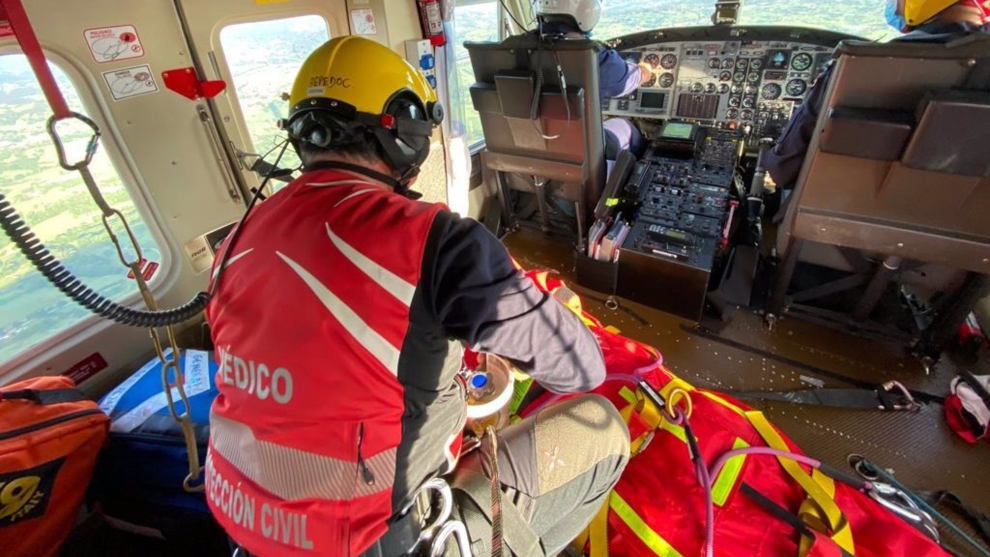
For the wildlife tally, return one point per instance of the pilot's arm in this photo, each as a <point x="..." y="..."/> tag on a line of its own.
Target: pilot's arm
<point x="616" y="77"/>
<point x="783" y="162"/>
<point x="481" y="298"/>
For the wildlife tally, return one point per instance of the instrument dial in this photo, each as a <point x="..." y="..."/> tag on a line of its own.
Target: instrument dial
<point x="748" y="102"/>
<point x="742" y="63"/>
<point x="746" y="114"/>
<point x="652" y="59"/>
<point x="801" y="61"/>
<point x="756" y="65"/>
<point x="796" y="87"/>
<point x="723" y="88"/>
<point x="668" y="61"/>
<point x="753" y="77"/>
<point x="770" y="91"/>
<point x="666" y="79"/>
<point x="738" y="77"/>
<point x="727" y="64"/>
<point x="734" y="101"/>
<point x="651" y="81"/>
<point x="725" y="76"/>
<point x="732" y="113"/>
<point x="714" y="63"/>
<point x="736" y="89"/>
<point x="697" y="87"/>
<point x="710" y="88"/>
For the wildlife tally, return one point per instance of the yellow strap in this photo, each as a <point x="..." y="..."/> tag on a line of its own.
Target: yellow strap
<point x="598" y="532"/>
<point x="811" y="514"/>
<point x="842" y="533"/>
<point x="642" y="530"/>
<point x="728" y="475"/>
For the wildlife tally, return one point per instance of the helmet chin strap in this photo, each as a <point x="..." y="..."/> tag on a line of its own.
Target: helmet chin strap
<point x="400" y="186"/>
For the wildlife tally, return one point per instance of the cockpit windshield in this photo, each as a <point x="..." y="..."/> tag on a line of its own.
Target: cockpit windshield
<point x="863" y="18"/>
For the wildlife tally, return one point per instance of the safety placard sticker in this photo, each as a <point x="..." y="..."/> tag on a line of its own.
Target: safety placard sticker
<point x="109" y="44"/>
<point x="130" y="82"/>
<point x="363" y="22"/>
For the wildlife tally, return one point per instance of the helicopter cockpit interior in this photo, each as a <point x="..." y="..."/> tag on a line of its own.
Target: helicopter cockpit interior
<point x="825" y="336"/>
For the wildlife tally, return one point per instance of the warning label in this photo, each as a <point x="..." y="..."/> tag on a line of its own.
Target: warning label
<point x="130" y="82"/>
<point x="109" y="44"/>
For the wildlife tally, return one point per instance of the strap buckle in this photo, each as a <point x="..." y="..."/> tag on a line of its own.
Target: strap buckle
<point x="906" y="402"/>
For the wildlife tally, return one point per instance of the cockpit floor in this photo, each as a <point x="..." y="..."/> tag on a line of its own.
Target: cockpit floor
<point x="919" y="447"/>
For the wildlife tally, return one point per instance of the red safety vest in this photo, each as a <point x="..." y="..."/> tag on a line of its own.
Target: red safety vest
<point x="308" y="324"/>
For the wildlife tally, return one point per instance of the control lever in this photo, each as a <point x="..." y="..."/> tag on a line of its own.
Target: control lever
<point x="754" y="199"/>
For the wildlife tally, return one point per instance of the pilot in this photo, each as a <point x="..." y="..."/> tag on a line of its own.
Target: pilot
<point x="921" y="20"/>
<point x="616" y="77"/>
<point x="340" y="319"/>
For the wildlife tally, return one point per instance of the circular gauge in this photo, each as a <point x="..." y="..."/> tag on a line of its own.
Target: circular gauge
<point x="710" y="88"/>
<point x="651" y="81"/>
<point x="736" y="89"/>
<point x="756" y="65"/>
<point x="746" y="114"/>
<point x="652" y="60"/>
<point x="749" y="102"/>
<point x="742" y="63"/>
<point x="732" y="114"/>
<point x="770" y="91"/>
<point x="725" y="76"/>
<point x="727" y="64"/>
<point x="801" y="61"/>
<point x="734" y="101"/>
<point x="738" y="77"/>
<point x="668" y="61"/>
<point x="714" y="63"/>
<point x="753" y="77"/>
<point x="723" y="88"/>
<point x="697" y="87"/>
<point x="666" y="79"/>
<point x="796" y="87"/>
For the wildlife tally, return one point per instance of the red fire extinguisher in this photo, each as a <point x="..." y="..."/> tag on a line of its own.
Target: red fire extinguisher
<point x="431" y="21"/>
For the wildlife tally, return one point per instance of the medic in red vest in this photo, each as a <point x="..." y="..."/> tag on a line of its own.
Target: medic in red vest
<point x="340" y="317"/>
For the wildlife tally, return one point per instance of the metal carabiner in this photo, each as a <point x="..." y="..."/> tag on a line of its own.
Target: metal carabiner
<point x="910" y="405"/>
<point x="432" y="529"/>
<point x="899" y="503"/>
<point x="456" y="528"/>
<point x="94" y="141"/>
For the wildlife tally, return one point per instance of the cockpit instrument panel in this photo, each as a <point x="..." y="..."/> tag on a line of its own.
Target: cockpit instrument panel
<point x="723" y="83"/>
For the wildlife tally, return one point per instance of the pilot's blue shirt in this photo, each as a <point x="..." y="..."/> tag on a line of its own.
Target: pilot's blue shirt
<point x="784" y="161"/>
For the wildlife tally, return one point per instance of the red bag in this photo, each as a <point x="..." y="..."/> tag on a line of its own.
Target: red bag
<point x="50" y="436"/>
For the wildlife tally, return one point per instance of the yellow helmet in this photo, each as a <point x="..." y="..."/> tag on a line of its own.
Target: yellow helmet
<point x="352" y="85"/>
<point x="916" y="12"/>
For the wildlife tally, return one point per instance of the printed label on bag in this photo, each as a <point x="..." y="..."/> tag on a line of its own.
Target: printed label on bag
<point x="24" y="494"/>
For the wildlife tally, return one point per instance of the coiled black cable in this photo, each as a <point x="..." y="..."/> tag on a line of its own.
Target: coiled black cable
<point x="63" y="279"/>
<point x="56" y="273"/>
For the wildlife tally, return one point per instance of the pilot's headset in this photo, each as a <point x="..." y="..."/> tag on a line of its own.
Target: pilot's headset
<point x="585" y="14"/>
<point x="351" y="87"/>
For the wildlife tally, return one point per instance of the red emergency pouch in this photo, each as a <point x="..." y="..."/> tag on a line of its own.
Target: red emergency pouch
<point x="50" y="436"/>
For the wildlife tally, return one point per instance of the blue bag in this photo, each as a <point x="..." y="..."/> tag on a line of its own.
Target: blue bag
<point x="138" y="479"/>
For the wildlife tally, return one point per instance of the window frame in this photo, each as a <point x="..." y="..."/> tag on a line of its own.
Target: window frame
<point x="95" y="105"/>
<point x="221" y="66"/>
<point x="479" y="145"/>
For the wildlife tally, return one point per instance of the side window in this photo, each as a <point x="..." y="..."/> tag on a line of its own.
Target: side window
<point x="473" y="21"/>
<point x="56" y="205"/>
<point x="263" y="58"/>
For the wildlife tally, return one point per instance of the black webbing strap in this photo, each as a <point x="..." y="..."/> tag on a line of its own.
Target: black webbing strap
<point x="55" y="396"/>
<point x="979" y="520"/>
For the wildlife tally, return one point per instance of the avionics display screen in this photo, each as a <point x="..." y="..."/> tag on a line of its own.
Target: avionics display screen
<point x="677" y="130"/>
<point x="653" y="100"/>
